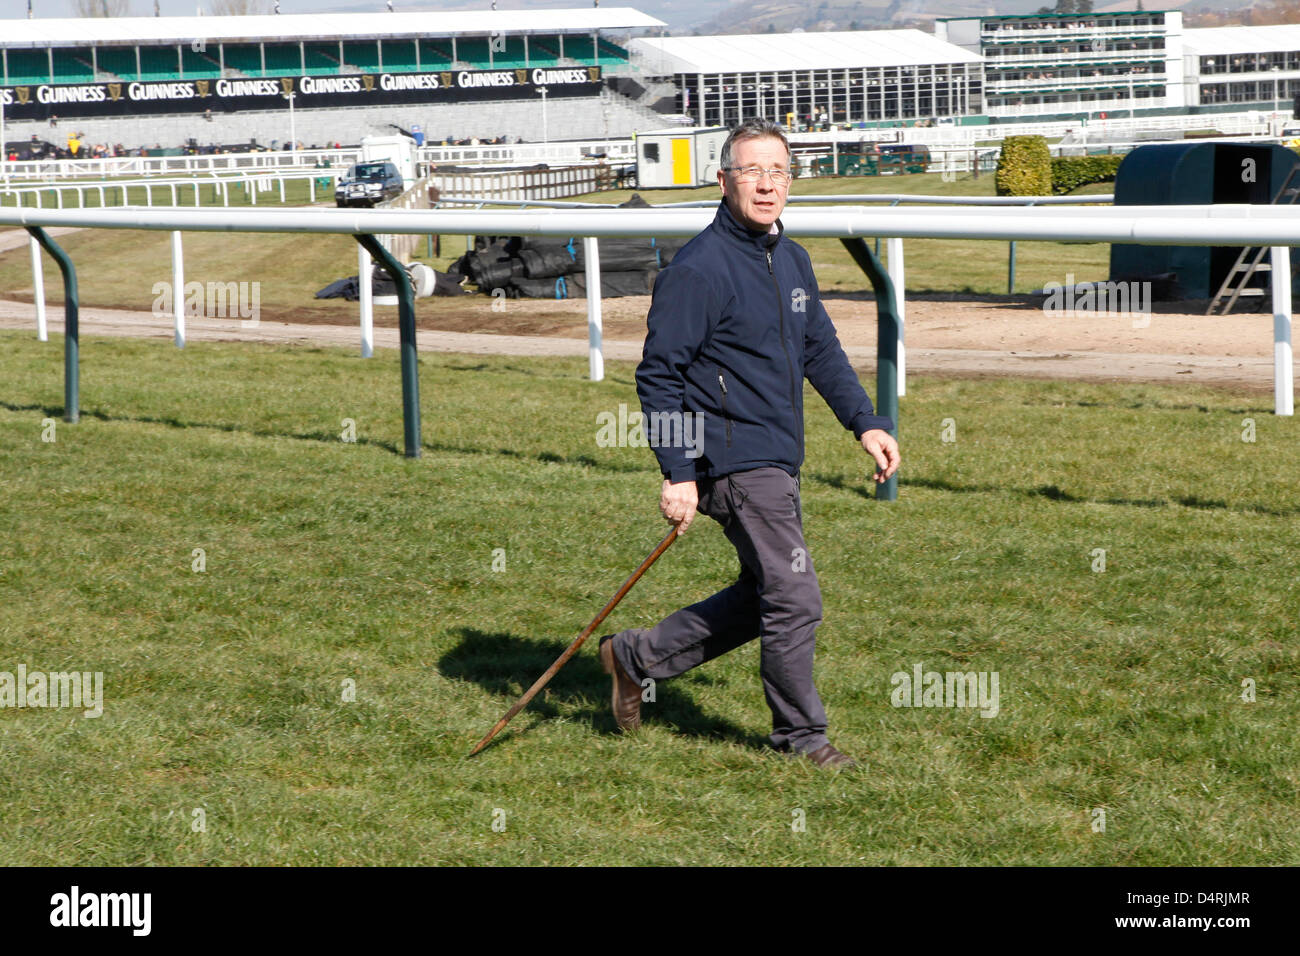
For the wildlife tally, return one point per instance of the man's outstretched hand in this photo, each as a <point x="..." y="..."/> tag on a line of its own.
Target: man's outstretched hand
<point x="678" y="502"/>
<point x="883" y="447"/>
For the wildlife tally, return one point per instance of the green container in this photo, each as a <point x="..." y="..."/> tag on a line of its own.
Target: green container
<point x="1192" y="174"/>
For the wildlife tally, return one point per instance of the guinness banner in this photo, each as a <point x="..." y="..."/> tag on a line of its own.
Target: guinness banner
<point x="310" y="92"/>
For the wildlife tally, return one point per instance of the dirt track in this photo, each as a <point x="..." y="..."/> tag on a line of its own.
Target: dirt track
<point x="948" y="335"/>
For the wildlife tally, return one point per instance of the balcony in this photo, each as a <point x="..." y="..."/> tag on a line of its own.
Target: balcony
<point x="1082" y="56"/>
<point x="1057" y="34"/>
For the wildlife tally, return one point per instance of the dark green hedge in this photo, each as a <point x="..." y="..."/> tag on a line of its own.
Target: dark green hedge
<point x="1071" y="172"/>
<point x="1025" y="167"/>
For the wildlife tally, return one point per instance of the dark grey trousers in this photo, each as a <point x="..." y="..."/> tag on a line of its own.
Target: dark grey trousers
<point x="776" y="598"/>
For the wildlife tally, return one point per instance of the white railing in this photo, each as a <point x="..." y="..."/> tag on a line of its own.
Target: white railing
<point x="1219" y="225"/>
<point x="522" y="184"/>
<point x="1004" y="87"/>
<point x="1087" y="56"/>
<point x="106" y="167"/>
<point x="520" y="153"/>
<point x="509" y="154"/>
<point x="120" y="191"/>
<point x="1060" y="33"/>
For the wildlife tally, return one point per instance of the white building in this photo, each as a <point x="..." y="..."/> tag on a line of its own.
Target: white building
<point x="814" y="78"/>
<point x="1244" y="67"/>
<point x="1045" y="64"/>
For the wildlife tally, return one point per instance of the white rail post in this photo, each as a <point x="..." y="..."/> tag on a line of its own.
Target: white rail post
<point x="178" y="287"/>
<point x="38" y="291"/>
<point x="591" y="253"/>
<point x="367" y="303"/>
<point x="894" y="251"/>
<point x="1283" y="365"/>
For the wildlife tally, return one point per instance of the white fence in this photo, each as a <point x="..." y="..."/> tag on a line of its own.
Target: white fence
<point x="501" y="154"/>
<point x="121" y="191"/>
<point x="1221" y="225"/>
<point x="522" y="184"/>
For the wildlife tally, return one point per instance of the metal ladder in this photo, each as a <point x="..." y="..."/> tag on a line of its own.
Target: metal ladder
<point x="1251" y="259"/>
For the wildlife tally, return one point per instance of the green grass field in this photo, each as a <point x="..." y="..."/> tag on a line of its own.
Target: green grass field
<point x="331" y="566"/>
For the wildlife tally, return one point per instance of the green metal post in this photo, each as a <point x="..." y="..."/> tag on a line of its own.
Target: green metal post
<point x="71" y="325"/>
<point x="1011" y="269"/>
<point x="887" y="329"/>
<point x="406" y="327"/>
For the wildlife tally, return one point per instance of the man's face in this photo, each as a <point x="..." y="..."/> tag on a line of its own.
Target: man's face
<point x="756" y="205"/>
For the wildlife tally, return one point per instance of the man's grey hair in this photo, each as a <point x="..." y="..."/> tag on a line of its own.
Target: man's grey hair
<point x="753" y="128"/>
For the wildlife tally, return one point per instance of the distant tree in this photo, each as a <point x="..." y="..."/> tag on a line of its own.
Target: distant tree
<point x="1068" y="7"/>
<point x="771" y="28"/>
<point x="1279" y="11"/>
<point x="101" y="8"/>
<point x="240" y="8"/>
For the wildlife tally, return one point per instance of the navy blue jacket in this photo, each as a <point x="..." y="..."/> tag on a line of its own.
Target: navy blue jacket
<point x="735" y="325"/>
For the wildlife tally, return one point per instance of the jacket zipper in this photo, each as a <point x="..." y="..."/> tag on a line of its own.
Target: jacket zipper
<point x="789" y="364"/>
<point x="725" y="417"/>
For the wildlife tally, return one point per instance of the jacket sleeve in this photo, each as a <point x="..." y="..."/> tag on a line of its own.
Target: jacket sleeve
<point x="683" y="311"/>
<point x="828" y="368"/>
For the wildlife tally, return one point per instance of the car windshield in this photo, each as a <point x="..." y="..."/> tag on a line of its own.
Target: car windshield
<point x="370" y="171"/>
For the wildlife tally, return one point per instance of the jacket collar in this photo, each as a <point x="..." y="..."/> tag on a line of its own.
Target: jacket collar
<point x="759" y="242"/>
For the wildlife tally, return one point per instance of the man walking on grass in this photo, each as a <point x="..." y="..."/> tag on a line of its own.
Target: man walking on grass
<point x="735" y="326"/>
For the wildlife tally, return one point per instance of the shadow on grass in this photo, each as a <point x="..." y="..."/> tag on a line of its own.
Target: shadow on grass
<point x="173" y="422"/>
<point x="1053" y="493"/>
<point x="332" y="438"/>
<point x="506" y="665"/>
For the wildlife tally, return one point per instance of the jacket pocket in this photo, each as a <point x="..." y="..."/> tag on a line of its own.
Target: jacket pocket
<point x="722" y="385"/>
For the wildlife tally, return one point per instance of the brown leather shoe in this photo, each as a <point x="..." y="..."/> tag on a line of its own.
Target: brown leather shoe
<point x="830" y="758"/>
<point x="625" y="697"/>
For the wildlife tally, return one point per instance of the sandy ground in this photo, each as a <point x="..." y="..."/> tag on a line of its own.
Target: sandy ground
<point x="955" y="335"/>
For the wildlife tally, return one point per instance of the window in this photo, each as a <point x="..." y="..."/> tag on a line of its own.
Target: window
<point x="652" y="152"/>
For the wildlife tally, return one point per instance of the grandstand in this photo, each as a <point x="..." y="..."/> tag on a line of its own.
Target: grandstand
<point x="456" y="74"/>
<point x="171" y="80"/>
<point x="1055" y="63"/>
<point x="859" y="78"/>
<point x="1236" y="67"/>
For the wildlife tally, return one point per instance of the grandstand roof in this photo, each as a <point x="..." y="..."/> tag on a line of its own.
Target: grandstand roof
<point x="88" y="31"/>
<point x="762" y="52"/>
<point x="1207" y="41"/>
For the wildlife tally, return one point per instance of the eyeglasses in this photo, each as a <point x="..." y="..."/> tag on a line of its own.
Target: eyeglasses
<point x="752" y="174"/>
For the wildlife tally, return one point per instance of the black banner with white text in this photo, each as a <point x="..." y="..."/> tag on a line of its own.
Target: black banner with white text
<point x="229" y="95"/>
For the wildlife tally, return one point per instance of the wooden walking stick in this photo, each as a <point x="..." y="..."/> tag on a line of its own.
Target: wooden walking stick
<point x="573" y="648"/>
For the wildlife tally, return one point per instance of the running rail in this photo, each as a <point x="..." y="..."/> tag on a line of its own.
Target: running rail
<point x="1205" y="225"/>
